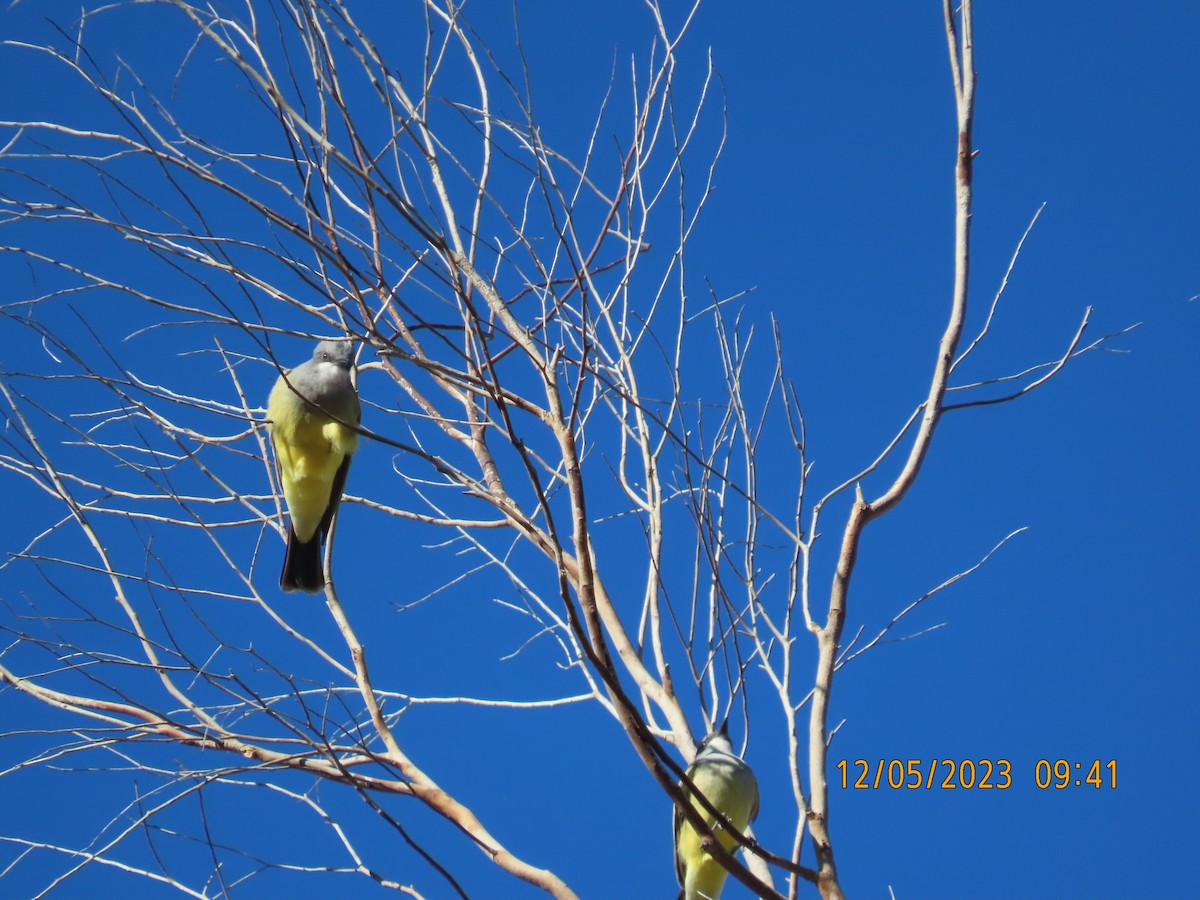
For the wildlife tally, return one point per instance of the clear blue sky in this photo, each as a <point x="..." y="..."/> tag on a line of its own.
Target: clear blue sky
<point x="833" y="202"/>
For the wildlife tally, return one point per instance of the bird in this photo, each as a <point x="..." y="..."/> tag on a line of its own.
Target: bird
<point x="729" y="784"/>
<point x="312" y="414"/>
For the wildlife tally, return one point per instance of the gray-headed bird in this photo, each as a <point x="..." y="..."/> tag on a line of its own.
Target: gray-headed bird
<point x="728" y="784"/>
<point x="313" y="410"/>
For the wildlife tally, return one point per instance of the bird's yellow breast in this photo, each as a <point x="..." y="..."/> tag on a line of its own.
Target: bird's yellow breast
<point x="309" y="449"/>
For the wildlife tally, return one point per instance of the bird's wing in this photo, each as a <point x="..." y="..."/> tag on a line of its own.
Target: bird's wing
<point x="335" y="495"/>
<point x="677" y="823"/>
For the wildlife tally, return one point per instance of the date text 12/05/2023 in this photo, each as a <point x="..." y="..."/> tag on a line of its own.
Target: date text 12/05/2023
<point x="973" y="774"/>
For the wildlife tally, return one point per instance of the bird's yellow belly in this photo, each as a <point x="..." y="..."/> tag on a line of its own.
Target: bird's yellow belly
<point x="309" y="457"/>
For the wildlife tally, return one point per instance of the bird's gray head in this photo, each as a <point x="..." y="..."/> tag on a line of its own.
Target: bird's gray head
<point x="340" y="353"/>
<point x="716" y="743"/>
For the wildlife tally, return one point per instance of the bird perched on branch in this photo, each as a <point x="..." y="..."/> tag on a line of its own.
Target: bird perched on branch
<point x="730" y="786"/>
<point x="313" y="412"/>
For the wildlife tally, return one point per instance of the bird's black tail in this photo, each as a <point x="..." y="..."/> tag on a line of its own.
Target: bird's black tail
<point x="302" y="565"/>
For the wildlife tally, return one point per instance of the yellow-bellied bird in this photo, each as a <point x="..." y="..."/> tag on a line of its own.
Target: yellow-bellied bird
<point x="728" y="784"/>
<point x="313" y="410"/>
